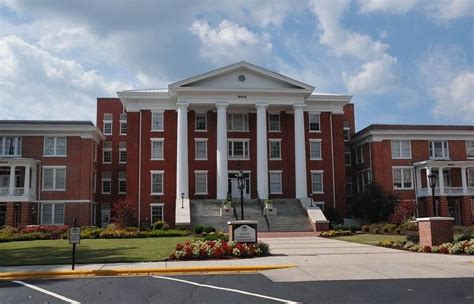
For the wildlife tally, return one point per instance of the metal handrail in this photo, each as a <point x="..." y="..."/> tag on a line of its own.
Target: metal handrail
<point x="260" y="204"/>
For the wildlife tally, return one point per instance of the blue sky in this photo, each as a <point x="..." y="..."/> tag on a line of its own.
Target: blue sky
<point x="405" y="61"/>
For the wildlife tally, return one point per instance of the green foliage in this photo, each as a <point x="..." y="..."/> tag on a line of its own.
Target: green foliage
<point x="389" y="228"/>
<point x="413" y="238"/>
<point x="213" y="236"/>
<point x="334" y="233"/>
<point x="198" y="229"/>
<point x="332" y="215"/>
<point x="373" y="204"/>
<point x="409" y="226"/>
<point x="123" y="212"/>
<point x="91" y="232"/>
<point x="365" y="228"/>
<point x="208" y="229"/>
<point x="160" y="225"/>
<point x="464" y="237"/>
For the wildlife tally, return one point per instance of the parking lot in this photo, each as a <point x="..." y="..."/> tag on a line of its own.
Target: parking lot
<point x="235" y="288"/>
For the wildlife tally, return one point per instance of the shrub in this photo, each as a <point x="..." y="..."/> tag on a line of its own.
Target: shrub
<point x="208" y="229"/>
<point x="198" y="229"/>
<point x="389" y="228"/>
<point x="403" y="211"/>
<point x="198" y="249"/>
<point x="456" y="248"/>
<point x="427" y="248"/>
<point x="216" y="236"/>
<point x="469" y="250"/>
<point x="160" y="225"/>
<point x="333" y="233"/>
<point x="413" y="238"/>
<point x="365" y="228"/>
<point x="343" y="228"/>
<point x="123" y="212"/>
<point x="332" y="215"/>
<point x="373" y="204"/>
<point x="385" y="243"/>
<point x="464" y="237"/>
<point x="409" y="226"/>
<point x="90" y="232"/>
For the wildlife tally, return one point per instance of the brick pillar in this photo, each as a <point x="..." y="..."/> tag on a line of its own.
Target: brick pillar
<point x="429" y="205"/>
<point x="9" y="217"/>
<point x="443" y="206"/>
<point x="466" y="211"/>
<point x="435" y="231"/>
<point x="25" y="217"/>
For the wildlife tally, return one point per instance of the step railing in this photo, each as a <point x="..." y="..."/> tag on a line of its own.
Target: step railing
<point x="262" y="208"/>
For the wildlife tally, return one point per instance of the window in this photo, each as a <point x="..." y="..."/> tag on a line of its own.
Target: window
<point x="470" y="149"/>
<point x="275" y="182"/>
<point x="201" y="182"/>
<point x="157" y="212"/>
<point x="347" y="131"/>
<point x="123" y="124"/>
<point x="402" y="178"/>
<point x="439" y="149"/>
<point x="106" y="182"/>
<point x="107" y="152"/>
<point x="10" y="146"/>
<point x="348" y="185"/>
<point x="237" y="122"/>
<point x="54" y="146"/>
<point x="314" y="124"/>
<point x="317" y="181"/>
<point x="123" y="152"/>
<point x="470" y="177"/>
<point x="52" y="214"/>
<point x="274" y="122"/>
<point x="157" y="123"/>
<point x="359" y="155"/>
<point x="315" y="148"/>
<point x="401" y="149"/>
<point x="107" y="124"/>
<point x="201" y="149"/>
<point x="275" y="149"/>
<point x="157" y="182"/>
<point x="157" y="146"/>
<point x="238" y="149"/>
<point x="94" y="183"/>
<point x="54" y="178"/>
<point x="122" y="183"/>
<point x="347" y="159"/>
<point x="201" y="121"/>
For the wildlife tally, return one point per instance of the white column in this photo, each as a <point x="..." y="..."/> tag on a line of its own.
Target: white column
<point x="26" y="185"/>
<point x="222" y="174"/>
<point x="464" y="180"/>
<point x="441" y="181"/>
<point x="33" y="179"/>
<point x="262" y="155"/>
<point x="300" y="153"/>
<point x="12" y="180"/>
<point x="182" y="152"/>
<point x="418" y="178"/>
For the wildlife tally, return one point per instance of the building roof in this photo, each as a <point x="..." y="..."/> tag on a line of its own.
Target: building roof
<point x="50" y="122"/>
<point x="416" y="127"/>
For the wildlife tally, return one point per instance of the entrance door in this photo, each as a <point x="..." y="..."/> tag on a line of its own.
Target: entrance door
<point x="234" y="186"/>
<point x="105" y="218"/>
<point x="454" y="210"/>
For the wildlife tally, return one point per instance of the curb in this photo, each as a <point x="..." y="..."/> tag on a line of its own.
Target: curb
<point x="137" y="272"/>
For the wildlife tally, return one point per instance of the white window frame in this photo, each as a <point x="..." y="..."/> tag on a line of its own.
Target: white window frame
<point x="120" y="155"/>
<point x="269" y="122"/>
<point x="322" y="181"/>
<point x="196" y="173"/>
<point x="310" y="114"/>
<point x="153" y="172"/>
<point x="196" y="141"/>
<point x="53" y="214"/>
<point x="230" y="122"/>
<point x="195" y="121"/>
<point x="16" y="146"/>
<point x="402" y="176"/>
<point x="315" y="140"/>
<point x="469" y="150"/>
<point x="274" y="172"/>
<point x="162" y="206"/>
<point x="246" y="142"/>
<point x="359" y="155"/>
<point x="122" y="179"/>
<point x="122" y="122"/>
<point x="348" y="164"/>
<point x="445" y="152"/>
<point x="270" y="141"/>
<point x="55" y="146"/>
<point x="108" y="121"/>
<point x="153" y="121"/>
<point x="106" y="180"/>
<point x="152" y="141"/>
<point x="54" y="168"/>
<point x="400" y="149"/>
<point x="470" y="178"/>
<point x="107" y="150"/>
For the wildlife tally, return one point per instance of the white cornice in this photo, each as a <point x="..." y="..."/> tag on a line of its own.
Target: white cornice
<point x="27" y="129"/>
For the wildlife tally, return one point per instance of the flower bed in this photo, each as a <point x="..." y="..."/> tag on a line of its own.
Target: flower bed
<point x="461" y="247"/>
<point x="199" y="249"/>
<point x="334" y="233"/>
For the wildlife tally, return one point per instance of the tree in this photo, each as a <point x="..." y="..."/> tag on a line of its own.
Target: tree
<point x="373" y="204"/>
<point x="123" y="213"/>
<point x="404" y="211"/>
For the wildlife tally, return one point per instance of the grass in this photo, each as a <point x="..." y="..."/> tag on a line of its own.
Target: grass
<point x="49" y="252"/>
<point x="374" y="239"/>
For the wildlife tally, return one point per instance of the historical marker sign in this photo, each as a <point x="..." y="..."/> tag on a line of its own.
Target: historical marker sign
<point x="245" y="234"/>
<point x="74" y="235"/>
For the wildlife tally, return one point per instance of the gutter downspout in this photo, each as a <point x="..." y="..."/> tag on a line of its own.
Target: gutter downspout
<point x="140" y="165"/>
<point x="333" y="165"/>
<point x="38" y="189"/>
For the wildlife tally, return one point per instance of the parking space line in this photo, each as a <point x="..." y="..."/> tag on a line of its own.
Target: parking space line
<point x="47" y="292"/>
<point x="227" y="289"/>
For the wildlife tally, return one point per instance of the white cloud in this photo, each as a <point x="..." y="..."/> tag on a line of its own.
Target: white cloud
<point x="447" y="10"/>
<point x="391" y="6"/>
<point x="456" y="99"/>
<point x="230" y="42"/>
<point x="377" y="72"/>
<point x="38" y="85"/>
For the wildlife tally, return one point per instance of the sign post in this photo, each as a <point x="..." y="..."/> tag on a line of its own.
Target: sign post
<point x="74" y="238"/>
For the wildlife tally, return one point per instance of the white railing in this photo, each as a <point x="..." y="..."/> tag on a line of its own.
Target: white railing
<point x="449" y="191"/>
<point x="19" y="191"/>
<point x="4" y="191"/>
<point x="453" y="190"/>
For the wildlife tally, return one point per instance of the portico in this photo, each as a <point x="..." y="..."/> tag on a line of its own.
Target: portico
<point x="17" y="180"/>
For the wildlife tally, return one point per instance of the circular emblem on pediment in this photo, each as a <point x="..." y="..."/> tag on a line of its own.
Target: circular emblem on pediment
<point x="241" y="77"/>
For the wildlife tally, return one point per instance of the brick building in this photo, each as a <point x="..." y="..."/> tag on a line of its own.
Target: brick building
<point x="400" y="157"/>
<point x="46" y="172"/>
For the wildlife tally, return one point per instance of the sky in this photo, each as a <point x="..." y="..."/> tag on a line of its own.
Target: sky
<point x="405" y="61"/>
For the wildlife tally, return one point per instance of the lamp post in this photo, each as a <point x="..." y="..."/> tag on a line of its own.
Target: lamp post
<point x="310" y="195"/>
<point x="182" y="199"/>
<point x="432" y="181"/>
<point x="241" y="182"/>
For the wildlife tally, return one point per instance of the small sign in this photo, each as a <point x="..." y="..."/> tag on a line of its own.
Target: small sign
<point x="74" y="235"/>
<point x="245" y="234"/>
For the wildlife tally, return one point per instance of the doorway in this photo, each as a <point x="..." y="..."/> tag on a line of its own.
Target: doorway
<point x="104" y="218"/>
<point x="233" y="185"/>
<point x="454" y="210"/>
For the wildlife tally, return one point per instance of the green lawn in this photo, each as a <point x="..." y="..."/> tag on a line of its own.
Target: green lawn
<point x="88" y="251"/>
<point x="374" y="239"/>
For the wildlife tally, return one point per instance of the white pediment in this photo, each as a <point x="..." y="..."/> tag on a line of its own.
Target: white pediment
<point x="242" y="76"/>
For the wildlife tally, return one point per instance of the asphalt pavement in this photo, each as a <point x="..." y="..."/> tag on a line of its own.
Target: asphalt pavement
<point x="235" y="288"/>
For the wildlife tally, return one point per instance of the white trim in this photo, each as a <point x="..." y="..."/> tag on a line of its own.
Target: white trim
<point x="431" y="147"/>
<point x="279" y="122"/>
<point x="322" y="181"/>
<point x="247" y="140"/>
<point x="156" y="139"/>
<point x="196" y="172"/>
<point x="64" y="201"/>
<point x="162" y="112"/>
<point x="55" y="146"/>
<point x="162" y="182"/>
<point x="162" y="211"/>
<point x="53" y="213"/>
<point x="196" y="113"/>
<point x="319" y="122"/>
<point x="400" y="149"/>
<point x="54" y="189"/>
<point x="196" y="140"/>
<point x="403" y="178"/>
<point x="277" y="140"/>
<point x="280" y="173"/>
<point x="311" y="140"/>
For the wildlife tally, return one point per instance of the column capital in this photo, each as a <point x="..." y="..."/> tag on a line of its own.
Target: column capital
<point x="182" y="104"/>
<point x="222" y="104"/>
<point x="261" y="105"/>
<point x="299" y="106"/>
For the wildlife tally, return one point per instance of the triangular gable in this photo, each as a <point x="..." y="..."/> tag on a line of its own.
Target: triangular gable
<point x="255" y="78"/>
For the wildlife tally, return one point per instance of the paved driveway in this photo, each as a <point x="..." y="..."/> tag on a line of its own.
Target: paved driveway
<point x="326" y="259"/>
